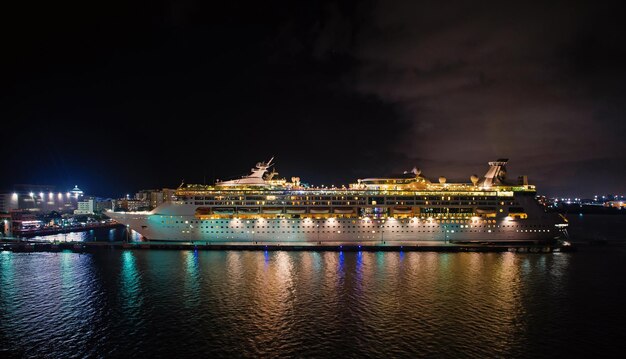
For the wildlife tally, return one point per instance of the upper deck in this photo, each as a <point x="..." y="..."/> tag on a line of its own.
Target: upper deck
<point x="410" y="183"/>
<point x="407" y="195"/>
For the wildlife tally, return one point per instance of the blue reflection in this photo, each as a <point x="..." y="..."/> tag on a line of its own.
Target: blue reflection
<point x="266" y="256"/>
<point x="341" y="259"/>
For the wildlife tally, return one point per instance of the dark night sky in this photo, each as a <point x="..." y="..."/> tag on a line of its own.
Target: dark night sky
<point x="117" y="97"/>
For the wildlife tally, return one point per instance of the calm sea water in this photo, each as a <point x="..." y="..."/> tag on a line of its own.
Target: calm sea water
<point x="313" y="304"/>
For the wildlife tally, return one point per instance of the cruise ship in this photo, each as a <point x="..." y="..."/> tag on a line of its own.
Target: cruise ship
<point x="408" y="207"/>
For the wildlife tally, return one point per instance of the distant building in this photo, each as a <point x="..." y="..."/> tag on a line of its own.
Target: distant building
<point x="132" y="205"/>
<point x="40" y="198"/>
<point x="7" y="204"/>
<point x="102" y="205"/>
<point x="86" y="206"/>
<point x="615" y="204"/>
<point x="5" y="224"/>
<point x="143" y="195"/>
<point x="156" y="199"/>
<point x="22" y="220"/>
<point x="155" y="196"/>
<point x="76" y="192"/>
<point x="168" y="194"/>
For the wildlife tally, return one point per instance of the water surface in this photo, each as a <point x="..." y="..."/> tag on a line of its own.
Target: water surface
<point x="312" y="304"/>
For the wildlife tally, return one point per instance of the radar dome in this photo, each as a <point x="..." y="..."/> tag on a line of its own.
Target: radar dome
<point x="442" y="180"/>
<point x="474" y="179"/>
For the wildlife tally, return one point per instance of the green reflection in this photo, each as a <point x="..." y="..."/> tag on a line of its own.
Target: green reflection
<point x="130" y="285"/>
<point x="444" y="261"/>
<point x="317" y="261"/>
<point x="380" y="259"/>
<point x="8" y="289"/>
<point x="192" y="280"/>
<point x="66" y="272"/>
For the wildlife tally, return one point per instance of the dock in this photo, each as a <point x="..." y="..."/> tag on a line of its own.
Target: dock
<point x="86" y="247"/>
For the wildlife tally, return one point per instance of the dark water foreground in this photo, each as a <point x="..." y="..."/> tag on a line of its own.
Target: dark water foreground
<point x="126" y="303"/>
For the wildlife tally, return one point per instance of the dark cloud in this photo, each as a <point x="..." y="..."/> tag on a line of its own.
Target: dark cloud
<point x="496" y="79"/>
<point x="153" y="92"/>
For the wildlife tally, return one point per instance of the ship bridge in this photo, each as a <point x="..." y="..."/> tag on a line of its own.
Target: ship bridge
<point x="259" y="177"/>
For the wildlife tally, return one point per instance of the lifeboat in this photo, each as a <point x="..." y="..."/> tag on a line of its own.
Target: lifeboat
<point x="402" y="210"/>
<point x="248" y="210"/>
<point x="272" y="210"/>
<point x="203" y="211"/>
<point x="320" y="210"/>
<point x="296" y="210"/>
<point x="224" y="210"/>
<point x="343" y="210"/>
<point x="486" y="210"/>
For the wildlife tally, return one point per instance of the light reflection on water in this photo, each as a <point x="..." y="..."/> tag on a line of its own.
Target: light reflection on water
<point x="102" y="234"/>
<point x="240" y="303"/>
<point x="130" y="287"/>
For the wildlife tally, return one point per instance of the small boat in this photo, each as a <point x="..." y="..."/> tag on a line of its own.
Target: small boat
<point x="203" y="211"/>
<point x="343" y="210"/>
<point x="272" y="210"/>
<point x="402" y="210"/>
<point x="320" y="210"/>
<point x="222" y="210"/>
<point x="486" y="210"/>
<point x="296" y="210"/>
<point x="248" y="210"/>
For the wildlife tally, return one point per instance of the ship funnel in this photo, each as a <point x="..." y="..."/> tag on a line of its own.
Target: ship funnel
<point x="496" y="174"/>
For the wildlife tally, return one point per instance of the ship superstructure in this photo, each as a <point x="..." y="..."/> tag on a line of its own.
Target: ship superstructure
<point x="401" y="208"/>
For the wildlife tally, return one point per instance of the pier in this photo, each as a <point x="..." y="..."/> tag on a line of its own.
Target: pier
<point x="86" y="247"/>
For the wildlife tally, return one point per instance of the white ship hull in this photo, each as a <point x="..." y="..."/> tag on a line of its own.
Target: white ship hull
<point x="349" y="230"/>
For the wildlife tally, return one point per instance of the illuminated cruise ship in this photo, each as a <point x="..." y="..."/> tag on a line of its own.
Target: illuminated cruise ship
<point x="258" y="208"/>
